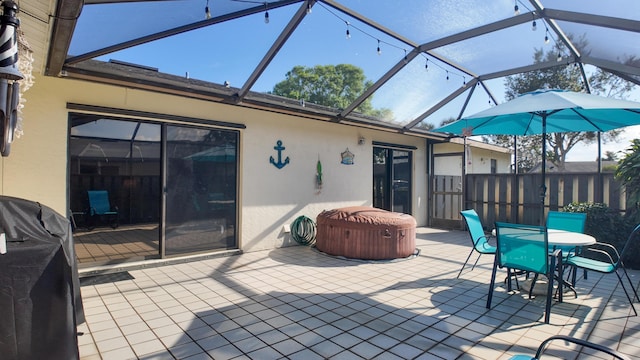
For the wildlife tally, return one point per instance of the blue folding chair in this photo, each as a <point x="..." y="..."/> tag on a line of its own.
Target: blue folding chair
<point x="479" y="240"/>
<point x="100" y="208"/>
<point x="612" y="264"/>
<point x="525" y="248"/>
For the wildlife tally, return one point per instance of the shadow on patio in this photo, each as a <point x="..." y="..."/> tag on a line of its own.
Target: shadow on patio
<point x="297" y="303"/>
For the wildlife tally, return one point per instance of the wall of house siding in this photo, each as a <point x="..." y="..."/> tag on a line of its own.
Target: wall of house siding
<point x="270" y="198"/>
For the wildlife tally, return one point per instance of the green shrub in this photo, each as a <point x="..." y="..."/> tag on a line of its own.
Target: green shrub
<point x="609" y="226"/>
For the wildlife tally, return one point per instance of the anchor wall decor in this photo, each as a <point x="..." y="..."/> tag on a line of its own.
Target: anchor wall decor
<point x="279" y="148"/>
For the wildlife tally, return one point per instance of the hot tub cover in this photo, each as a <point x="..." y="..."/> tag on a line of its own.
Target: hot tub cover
<point x="369" y="216"/>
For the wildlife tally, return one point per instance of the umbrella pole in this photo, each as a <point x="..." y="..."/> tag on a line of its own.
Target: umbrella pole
<point x="543" y="186"/>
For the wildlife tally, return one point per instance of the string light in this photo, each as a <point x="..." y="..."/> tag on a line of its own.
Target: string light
<point x="207" y="13"/>
<point x="350" y="26"/>
<point x="448" y="74"/>
<point x="559" y="57"/>
<point x="266" y="14"/>
<point x="516" y="9"/>
<point x="534" y="27"/>
<point x="308" y="8"/>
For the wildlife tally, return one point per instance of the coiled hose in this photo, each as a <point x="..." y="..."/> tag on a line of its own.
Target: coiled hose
<point x="303" y="230"/>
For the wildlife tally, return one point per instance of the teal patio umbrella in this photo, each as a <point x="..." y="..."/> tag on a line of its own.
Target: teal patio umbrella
<point x="548" y="111"/>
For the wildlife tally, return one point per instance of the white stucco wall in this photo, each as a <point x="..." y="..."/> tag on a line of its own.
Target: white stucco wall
<point x="270" y="198"/>
<point x="480" y="160"/>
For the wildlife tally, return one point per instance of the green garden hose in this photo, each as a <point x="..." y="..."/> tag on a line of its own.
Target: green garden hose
<point x="303" y="230"/>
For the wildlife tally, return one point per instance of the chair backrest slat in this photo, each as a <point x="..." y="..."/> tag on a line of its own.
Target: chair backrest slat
<point x="566" y="221"/>
<point x="522" y="247"/>
<point x="475" y="227"/>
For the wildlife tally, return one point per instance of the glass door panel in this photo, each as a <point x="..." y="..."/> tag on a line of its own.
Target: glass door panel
<point x="381" y="178"/>
<point x="200" y="190"/>
<point x="121" y="159"/>
<point x="392" y="174"/>
<point x="401" y="181"/>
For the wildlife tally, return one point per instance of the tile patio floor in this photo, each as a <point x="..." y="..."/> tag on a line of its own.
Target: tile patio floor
<point x="297" y="303"/>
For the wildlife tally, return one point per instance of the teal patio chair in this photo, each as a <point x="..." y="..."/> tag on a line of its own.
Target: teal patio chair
<point x="525" y="248"/>
<point x="100" y="208"/>
<point x="568" y="222"/>
<point x="567" y="339"/>
<point x="479" y="240"/>
<point x="575" y="222"/>
<point x="608" y="260"/>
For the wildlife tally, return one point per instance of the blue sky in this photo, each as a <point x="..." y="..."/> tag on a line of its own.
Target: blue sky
<point x="230" y="51"/>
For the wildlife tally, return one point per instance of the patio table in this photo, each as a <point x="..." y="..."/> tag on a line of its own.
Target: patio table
<point x="557" y="237"/>
<point x="569" y="238"/>
<point x="565" y="238"/>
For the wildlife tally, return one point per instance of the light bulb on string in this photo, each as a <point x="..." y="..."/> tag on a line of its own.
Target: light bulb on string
<point x="426" y="64"/>
<point x="559" y="57"/>
<point x="447" y="74"/>
<point x="348" y="32"/>
<point x="266" y="17"/>
<point x="406" y="60"/>
<point x="464" y="82"/>
<point x="207" y="13"/>
<point x="546" y="39"/>
<point x="534" y="27"/>
<point x="516" y="9"/>
<point x="308" y="8"/>
<point x="379" y="51"/>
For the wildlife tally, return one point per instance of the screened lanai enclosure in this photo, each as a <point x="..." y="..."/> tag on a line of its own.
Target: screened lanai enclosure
<point x="424" y="61"/>
<point x="397" y="66"/>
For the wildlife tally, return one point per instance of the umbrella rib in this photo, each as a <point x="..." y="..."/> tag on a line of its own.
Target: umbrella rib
<point x="587" y="120"/>
<point x="533" y="115"/>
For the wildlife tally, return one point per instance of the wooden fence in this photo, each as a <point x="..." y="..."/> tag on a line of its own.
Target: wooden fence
<point x="516" y="197"/>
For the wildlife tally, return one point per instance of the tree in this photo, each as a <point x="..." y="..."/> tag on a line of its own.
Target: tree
<point x="566" y="77"/>
<point x="610" y="156"/>
<point x="628" y="172"/>
<point x="336" y="86"/>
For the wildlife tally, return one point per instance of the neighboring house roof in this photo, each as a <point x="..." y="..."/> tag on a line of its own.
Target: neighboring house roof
<point x="481" y="145"/>
<point x="577" y="166"/>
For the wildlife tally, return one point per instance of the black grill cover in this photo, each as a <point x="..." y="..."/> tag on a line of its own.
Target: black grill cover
<point x="40" y="303"/>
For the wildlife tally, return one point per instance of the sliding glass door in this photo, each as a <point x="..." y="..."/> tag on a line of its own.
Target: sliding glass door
<point x="171" y="189"/>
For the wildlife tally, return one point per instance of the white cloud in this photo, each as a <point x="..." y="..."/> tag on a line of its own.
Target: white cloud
<point x="589" y="152"/>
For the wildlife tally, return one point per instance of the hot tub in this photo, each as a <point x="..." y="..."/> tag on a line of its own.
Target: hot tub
<point x="368" y="233"/>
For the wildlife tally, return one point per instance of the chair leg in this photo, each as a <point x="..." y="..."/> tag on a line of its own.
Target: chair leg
<point x="627" y="293"/>
<point x="476" y="262"/>
<point x="512" y="274"/>
<point x="493" y="282"/>
<point x="560" y="266"/>
<point x="533" y="284"/>
<point x="465" y="263"/>
<point x="635" y="291"/>
<point x="550" y="275"/>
